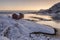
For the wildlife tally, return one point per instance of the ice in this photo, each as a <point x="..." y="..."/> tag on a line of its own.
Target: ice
<point x="37" y="27"/>
<point x="20" y="30"/>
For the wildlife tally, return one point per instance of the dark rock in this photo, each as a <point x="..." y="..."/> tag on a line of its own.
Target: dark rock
<point x="17" y="17"/>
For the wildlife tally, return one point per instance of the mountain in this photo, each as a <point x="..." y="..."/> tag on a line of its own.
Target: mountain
<point x="54" y="11"/>
<point x="55" y="8"/>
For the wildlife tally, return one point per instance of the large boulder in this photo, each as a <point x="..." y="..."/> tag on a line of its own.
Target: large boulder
<point x="17" y="16"/>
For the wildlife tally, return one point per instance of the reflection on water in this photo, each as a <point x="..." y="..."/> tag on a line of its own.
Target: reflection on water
<point x="53" y="23"/>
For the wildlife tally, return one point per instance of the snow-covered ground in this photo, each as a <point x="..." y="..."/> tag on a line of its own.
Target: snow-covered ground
<point x="11" y="29"/>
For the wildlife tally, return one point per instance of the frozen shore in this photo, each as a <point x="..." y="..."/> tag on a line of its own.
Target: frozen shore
<point x="12" y="29"/>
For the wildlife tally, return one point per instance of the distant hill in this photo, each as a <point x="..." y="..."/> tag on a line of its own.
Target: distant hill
<point x="54" y="9"/>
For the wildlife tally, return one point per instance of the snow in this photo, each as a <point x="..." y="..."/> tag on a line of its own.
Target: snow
<point x="3" y="38"/>
<point x="37" y="27"/>
<point x="20" y="29"/>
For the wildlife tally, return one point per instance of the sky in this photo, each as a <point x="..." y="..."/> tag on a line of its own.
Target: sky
<point x="26" y="4"/>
